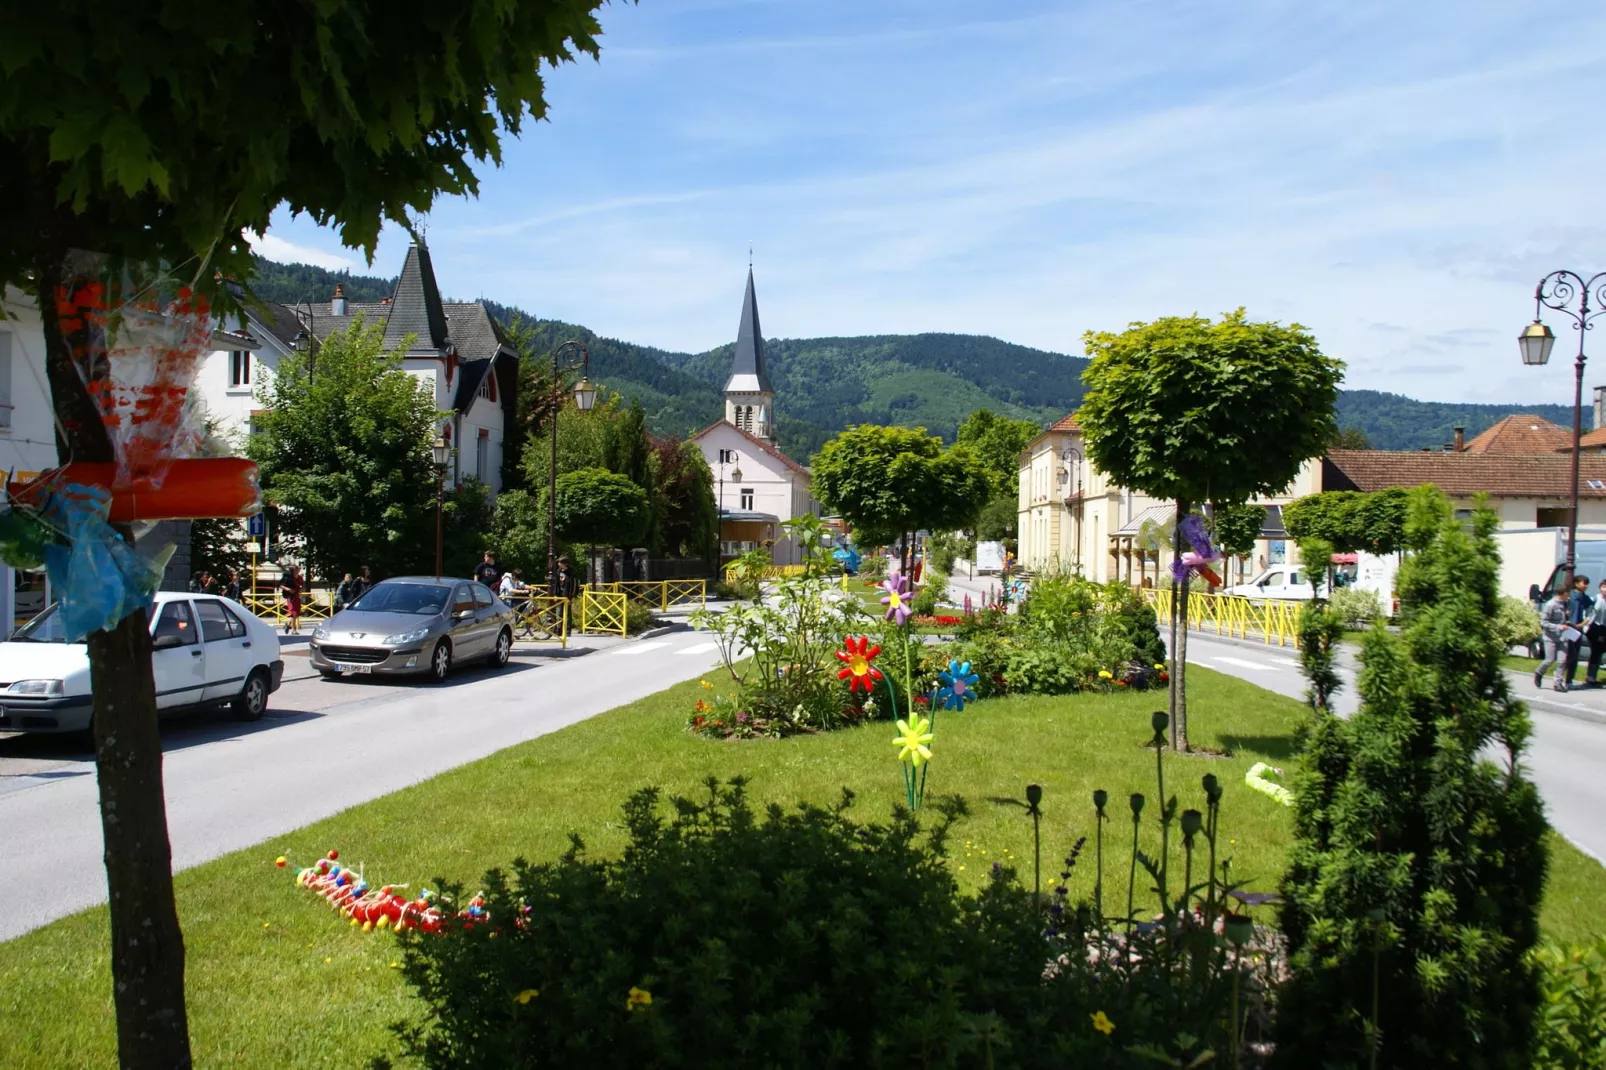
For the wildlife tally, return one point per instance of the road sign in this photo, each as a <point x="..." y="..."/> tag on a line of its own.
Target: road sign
<point x="256" y="526"/>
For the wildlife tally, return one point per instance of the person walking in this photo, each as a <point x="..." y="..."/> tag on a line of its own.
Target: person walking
<point x="1580" y="607"/>
<point x="231" y="586"/>
<point x="1552" y="623"/>
<point x="1595" y="636"/>
<point x="290" y="588"/>
<point x="364" y="580"/>
<point x="568" y="586"/>
<point x="344" y="595"/>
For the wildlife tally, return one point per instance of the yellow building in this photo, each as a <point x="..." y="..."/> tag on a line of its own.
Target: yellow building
<point x="1074" y="518"/>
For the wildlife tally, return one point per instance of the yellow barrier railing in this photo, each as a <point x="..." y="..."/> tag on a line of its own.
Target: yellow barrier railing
<point x="774" y="572"/>
<point x="268" y="603"/>
<point x="1271" y="621"/>
<point x="603" y="611"/>
<point x="542" y="619"/>
<point x="662" y="593"/>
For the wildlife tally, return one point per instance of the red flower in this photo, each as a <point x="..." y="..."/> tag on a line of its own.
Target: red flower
<point x="856" y="656"/>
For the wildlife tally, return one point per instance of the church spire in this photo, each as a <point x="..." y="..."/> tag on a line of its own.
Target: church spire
<point x="749" y="397"/>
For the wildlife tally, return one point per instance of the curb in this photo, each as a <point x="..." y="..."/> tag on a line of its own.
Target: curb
<point x="662" y="629"/>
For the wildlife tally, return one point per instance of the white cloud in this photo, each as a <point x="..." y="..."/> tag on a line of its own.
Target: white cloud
<point x="286" y="252"/>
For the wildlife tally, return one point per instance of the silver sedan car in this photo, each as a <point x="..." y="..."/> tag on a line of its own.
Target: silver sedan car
<point x="415" y="624"/>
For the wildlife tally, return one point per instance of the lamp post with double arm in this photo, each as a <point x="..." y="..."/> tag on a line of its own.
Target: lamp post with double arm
<point x="585" y="395"/>
<point x="1581" y="301"/>
<point x="1069" y="454"/>
<point x="306" y="339"/>
<point x="438" y="452"/>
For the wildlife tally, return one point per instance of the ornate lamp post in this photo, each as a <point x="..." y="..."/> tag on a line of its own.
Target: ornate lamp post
<point x="439" y="452"/>
<point x="305" y="341"/>
<point x="725" y="457"/>
<point x="1071" y="453"/>
<point x="585" y="395"/>
<point x="1569" y="294"/>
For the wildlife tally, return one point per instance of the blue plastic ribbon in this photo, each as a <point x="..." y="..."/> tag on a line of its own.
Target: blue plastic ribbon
<point x="97" y="577"/>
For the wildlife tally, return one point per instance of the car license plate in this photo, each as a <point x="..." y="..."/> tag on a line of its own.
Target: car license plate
<point x="349" y="670"/>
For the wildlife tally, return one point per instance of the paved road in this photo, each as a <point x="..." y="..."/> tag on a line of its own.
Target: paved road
<point x="1566" y="757"/>
<point x="230" y="785"/>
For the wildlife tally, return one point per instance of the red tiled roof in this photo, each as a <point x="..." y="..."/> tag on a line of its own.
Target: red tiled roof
<point x="1065" y="423"/>
<point x="1522" y="433"/>
<point x="1591" y="440"/>
<point x="755" y="440"/>
<point x="1461" y="475"/>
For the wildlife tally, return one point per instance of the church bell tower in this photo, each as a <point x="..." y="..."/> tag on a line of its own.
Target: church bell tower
<point x="749" y="397"/>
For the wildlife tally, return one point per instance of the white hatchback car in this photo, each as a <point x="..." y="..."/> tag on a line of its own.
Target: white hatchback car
<point x="206" y="651"/>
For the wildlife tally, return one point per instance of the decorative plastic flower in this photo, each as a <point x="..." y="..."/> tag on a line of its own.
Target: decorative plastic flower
<point x="957" y="681"/>
<point x="1105" y="674"/>
<point x="638" y="999"/>
<point x="913" y="735"/>
<point x="896" y="598"/>
<point x="525" y="996"/>
<point x="856" y="656"/>
<point x="1102" y="1023"/>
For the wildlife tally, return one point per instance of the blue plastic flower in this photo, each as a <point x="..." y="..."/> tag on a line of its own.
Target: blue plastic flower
<point x="957" y="683"/>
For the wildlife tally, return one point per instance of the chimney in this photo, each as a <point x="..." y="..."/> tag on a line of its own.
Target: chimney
<point x="337" y="304"/>
<point x="1461" y="431"/>
<point x="1600" y="407"/>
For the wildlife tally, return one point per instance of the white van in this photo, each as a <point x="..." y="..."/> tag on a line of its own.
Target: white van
<point x="1278" y="581"/>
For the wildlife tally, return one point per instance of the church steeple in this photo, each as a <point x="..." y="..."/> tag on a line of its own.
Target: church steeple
<point x="749" y="397"/>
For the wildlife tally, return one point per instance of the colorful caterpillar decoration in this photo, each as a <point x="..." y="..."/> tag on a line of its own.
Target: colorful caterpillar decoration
<point x="378" y="908"/>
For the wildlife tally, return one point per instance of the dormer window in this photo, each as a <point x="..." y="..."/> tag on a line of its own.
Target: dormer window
<point x="488" y="387"/>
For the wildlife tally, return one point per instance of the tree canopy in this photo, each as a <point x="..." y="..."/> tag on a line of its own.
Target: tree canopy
<point x="596" y="507"/>
<point x="344" y="457"/>
<point x="887" y="481"/>
<point x="1350" y="521"/>
<point x="997" y="441"/>
<point x="1237" y="528"/>
<point x="1193" y="410"/>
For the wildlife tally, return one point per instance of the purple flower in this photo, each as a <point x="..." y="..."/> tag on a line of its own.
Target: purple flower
<point x="896" y="598"/>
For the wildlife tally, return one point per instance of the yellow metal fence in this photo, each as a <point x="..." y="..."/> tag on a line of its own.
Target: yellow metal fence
<point x="603" y="611"/>
<point x="774" y="572"/>
<point x="662" y="593"/>
<point x="1271" y="621"/>
<point x="542" y="619"/>
<point x="269" y="604"/>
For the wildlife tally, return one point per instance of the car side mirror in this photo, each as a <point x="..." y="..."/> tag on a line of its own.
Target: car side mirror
<point x="167" y="642"/>
<point x="462" y="614"/>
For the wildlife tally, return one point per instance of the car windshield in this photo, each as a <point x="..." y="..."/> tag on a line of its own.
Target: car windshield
<point x="424" y="599"/>
<point x="45" y="628"/>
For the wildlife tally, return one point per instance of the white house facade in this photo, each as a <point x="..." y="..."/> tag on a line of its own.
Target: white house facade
<point x="27" y="437"/>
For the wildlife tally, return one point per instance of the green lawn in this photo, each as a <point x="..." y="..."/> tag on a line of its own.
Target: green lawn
<point x="275" y="977"/>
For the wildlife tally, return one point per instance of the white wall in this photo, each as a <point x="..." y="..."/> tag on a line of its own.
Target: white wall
<point x="28" y="444"/>
<point x="777" y="489"/>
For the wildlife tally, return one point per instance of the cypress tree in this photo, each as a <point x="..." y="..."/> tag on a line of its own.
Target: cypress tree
<point x="1412" y="894"/>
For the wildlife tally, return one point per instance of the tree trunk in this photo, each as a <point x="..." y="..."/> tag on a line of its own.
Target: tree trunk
<point x="1176" y="630"/>
<point x="1179" y="673"/>
<point x="147" y="947"/>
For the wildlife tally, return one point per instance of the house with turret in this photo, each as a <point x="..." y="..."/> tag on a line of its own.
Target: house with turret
<point x="757" y="487"/>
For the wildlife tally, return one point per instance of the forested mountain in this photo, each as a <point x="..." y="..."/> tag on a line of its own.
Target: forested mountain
<point x="1396" y="422"/>
<point x="927" y="380"/>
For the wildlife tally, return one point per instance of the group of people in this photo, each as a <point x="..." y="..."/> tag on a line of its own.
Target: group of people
<point x="510" y="584"/>
<point x="204" y="582"/>
<point x="1567" y="621"/>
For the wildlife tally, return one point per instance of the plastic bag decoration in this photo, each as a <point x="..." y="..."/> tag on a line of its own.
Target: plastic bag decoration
<point x="98" y="577"/>
<point x="137" y="346"/>
<point x="1198" y="559"/>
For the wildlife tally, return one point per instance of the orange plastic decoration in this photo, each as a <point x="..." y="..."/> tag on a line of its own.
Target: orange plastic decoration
<point x="193" y="489"/>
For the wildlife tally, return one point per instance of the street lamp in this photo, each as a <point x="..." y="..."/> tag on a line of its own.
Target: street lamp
<point x="1067" y="455"/>
<point x="725" y="457"/>
<point x="439" y="450"/>
<point x="585" y="396"/>
<point x="306" y="340"/>
<point x="1562" y="290"/>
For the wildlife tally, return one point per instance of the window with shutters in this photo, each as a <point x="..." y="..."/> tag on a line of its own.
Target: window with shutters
<point x="240" y="368"/>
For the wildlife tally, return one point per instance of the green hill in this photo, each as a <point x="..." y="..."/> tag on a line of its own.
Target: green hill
<point x="916" y="380"/>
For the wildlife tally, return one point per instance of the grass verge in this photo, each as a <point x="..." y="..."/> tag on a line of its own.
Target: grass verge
<point x="275" y="977"/>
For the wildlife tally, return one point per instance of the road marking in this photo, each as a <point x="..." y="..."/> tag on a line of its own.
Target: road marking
<point x="642" y="648"/>
<point x="700" y="648"/>
<point x="1248" y="664"/>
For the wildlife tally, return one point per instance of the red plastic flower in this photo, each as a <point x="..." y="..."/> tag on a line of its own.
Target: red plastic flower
<point x="856" y="656"/>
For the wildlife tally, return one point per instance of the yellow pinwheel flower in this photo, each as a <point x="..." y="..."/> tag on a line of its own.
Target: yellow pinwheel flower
<point x="1105" y="674"/>
<point x="638" y="999"/>
<point x="1102" y="1023"/>
<point x="525" y="996"/>
<point x="913" y="737"/>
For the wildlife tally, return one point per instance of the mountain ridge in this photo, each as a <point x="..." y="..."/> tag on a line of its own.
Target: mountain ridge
<point x="931" y="380"/>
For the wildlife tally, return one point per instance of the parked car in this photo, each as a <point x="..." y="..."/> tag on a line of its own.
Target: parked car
<point x="415" y="624"/>
<point x="206" y="651"/>
<point x="1278" y="581"/>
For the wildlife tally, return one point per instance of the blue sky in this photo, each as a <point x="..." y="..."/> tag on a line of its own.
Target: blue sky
<point x="1394" y="176"/>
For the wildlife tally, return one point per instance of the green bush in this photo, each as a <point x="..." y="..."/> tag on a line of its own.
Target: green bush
<point x="1356" y="607"/>
<point x="638" y="617"/>
<point x="1572" y="1007"/>
<point x="722" y="938"/>
<point x="931" y="592"/>
<point x="1516" y="623"/>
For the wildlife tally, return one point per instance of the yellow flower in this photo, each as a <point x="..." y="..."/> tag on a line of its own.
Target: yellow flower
<point x="1105" y="674"/>
<point x="638" y="998"/>
<point x="525" y="996"/>
<point x="1102" y="1023"/>
<point x="706" y="685"/>
<point x="913" y="735"/>
<point x="1159" y="668"/>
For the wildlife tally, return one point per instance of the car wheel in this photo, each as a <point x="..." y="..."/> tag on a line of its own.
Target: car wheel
<point x="440" y="662"/>
<point x="252" y="701"/>
<point x="503" y="650"/>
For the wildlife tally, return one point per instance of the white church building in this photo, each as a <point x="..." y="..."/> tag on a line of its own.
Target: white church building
<point x="758" y="488"/>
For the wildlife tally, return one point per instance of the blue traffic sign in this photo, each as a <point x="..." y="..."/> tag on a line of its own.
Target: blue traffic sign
<point x="256" y="526"/>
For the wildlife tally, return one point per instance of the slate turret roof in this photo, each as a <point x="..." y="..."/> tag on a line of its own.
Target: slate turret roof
<point x="749" y="375"/>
